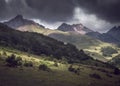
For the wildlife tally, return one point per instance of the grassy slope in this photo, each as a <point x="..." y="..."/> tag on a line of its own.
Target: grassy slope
<point x="80" y="41"/>
<point x="59" y="76"/>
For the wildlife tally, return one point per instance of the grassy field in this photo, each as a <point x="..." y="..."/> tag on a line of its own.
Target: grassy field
<point x="58" y="76"/>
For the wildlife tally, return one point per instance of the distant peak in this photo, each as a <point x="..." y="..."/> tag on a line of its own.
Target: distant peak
<point x="78" y="28"/>
<point x="19" y="21"/>
<point x="64" y="24"/>
<point x="79" y="24"/>
<point x="19" y="17"/>
<point x="115" y="28"/>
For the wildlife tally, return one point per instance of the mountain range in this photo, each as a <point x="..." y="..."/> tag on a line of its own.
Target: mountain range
<point x="39" y="44"/>
<point x="77" y="34"/>
<point x="19" y="23"/>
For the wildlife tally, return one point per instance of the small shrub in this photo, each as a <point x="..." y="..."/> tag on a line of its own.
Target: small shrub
<point x="13" y="61"/>
<point x="116" y="71"/>
<point x="19" y="61"/>
<point x="77" y="72"/>
<point x="4" y="53"/>
<point x="71" y="69"/>
<point x="1" y="57"/>
<point x="102" y="70"/>
<point x="94" y="75"/>
<point x="28" y="64"/>
<point x="44" y="67"/>
<point x="56" y="64"/>
<point x="74" y="70"/>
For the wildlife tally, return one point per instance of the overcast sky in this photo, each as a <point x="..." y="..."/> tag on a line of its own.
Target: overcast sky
<point x="98" y="15"/>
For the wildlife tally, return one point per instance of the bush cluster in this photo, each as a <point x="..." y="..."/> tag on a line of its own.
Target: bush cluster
<point x="74" y="70"/>
<point x="56" y="64"/>
<point x="108" y="51"/>
<point x="95" y="75"/>
<point x="13" y="61"/>
<point x="44" y="67"/>
<point x="28" y="64"/>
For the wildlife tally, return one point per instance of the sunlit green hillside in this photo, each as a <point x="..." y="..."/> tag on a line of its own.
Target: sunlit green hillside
<point x="59" y="75"/>
<point x="90" y="45"/>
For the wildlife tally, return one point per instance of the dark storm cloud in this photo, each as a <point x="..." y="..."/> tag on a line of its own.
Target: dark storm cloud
<point x="53" y="10"/>
<point x="2" y="8"/>
<point x="11" y="8"/>
<point x="60" y="10"/>
<point x="47" y="10"/>
<point x="108" y="10"/>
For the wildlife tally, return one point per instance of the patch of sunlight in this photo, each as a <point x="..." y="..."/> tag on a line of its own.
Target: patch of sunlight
<point x="37" y="60"/>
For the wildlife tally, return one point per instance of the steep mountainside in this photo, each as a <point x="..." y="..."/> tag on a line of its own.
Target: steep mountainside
<point x="19" y="21"/>
<point x="87" y="43"/>
<point x="39" y="44"/>
<point x="112" y="36"/>
<point x="65" y="33"/>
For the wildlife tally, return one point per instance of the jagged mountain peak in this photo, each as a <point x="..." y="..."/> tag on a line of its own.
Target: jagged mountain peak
<point x="20" y="21"/>
<point x="19" y="17"/>
<point x="69" y="25"/>
<point x="115" y="31"/>
<point x="65" y="27"/>
<point x="64" y="24"/>
<point x="77" y="28"/>
<point x="115" y="28"/>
